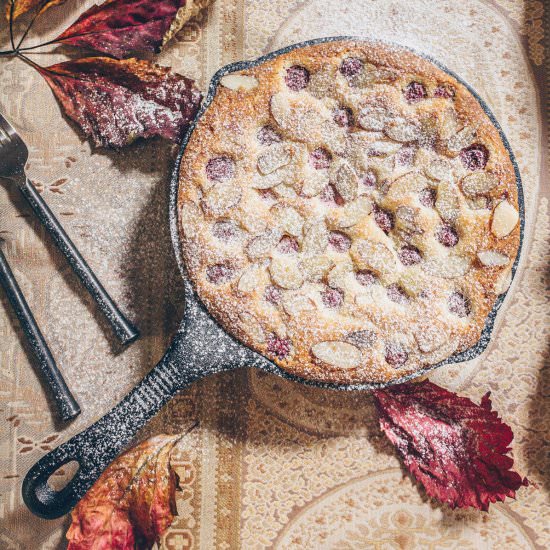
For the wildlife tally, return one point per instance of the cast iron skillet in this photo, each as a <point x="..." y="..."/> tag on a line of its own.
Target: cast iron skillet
<point x="190" y="358"/>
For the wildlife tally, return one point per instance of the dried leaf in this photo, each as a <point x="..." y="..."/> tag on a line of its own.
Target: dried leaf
<point x="23" y="6"/>
<point x="131" y="504"/>
<point x="122" y="27"/>
<point x="458" y="450"/>
<point x="115" y="102"/>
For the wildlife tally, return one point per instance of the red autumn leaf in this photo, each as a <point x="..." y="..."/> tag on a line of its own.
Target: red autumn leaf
<point x="122" y="27"/>
<point x="458" y="450"/>
<point x="23" y="6"/>
<point x="133" y="502"/>
<point x="115" y="102"/>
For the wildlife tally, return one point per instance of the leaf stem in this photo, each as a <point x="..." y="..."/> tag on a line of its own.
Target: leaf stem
<point x="12" y="9"/>
<point x="29" y="27"/>
<point x="36" y="46"/>
<point x="30" y="62"/>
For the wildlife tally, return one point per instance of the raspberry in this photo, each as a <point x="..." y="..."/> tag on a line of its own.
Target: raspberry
<point x="396" y="355"/>
<point x="343" y="116"/>
<point x="279" y="347"/>
<point x="447" y="236"/>
<point x="410" y="255"/>
<point x="405" y="156"/>
<point x="339" y="241"/>
<point x="475" y="156"/>
<point x="445" y="91"/>
<point x="288" y="245"/>
<point x="369" y="179"/>
<point x="219" y="273"/>
<point x="329" y="194"/>
<point x="224" y="230"/>
<point x="384" y="219"/>
<point x="320" y="158"/>
<point x="414" y="92"/>
<point x="351" y="66"/>
<point x="458" y="304"/>
<point x="297" y="78"/>
<point x="220" y="168"/>
<point x="397" y="294"/>
<point x="332" y="297"/>
<point x="267" y="135"/>
<point x="427" y="197"/>
<point x="273" y="294"/>
<point x="365" y="277"/>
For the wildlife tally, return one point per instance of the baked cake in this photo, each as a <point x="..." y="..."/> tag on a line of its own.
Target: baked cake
<point x="348" y="210"/>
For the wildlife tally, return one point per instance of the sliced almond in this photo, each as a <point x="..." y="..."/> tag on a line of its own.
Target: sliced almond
<point x="295" y="303"/>
<point x="505" y="218"/>
<point x="461" y="139"/>
<point x="300" y="120"/>
<point x="285" y="191"/>
<point x="334" y="138"/>
<point x="407" y="184"/>
<point x="191" y="217"/>
<point x="372" y="255"/>
<point x="491" y="258"/>
<point x="286" y="273"/>
<point x="362" y="338"/>
<point x="253" y="327"/>
<point x="371" y="75"/>
<point x="315" y="238"/>
<point x="316" y="267"/>
<point x="290" y="221"/>
<point x="403" y="130"/>
<point x="270" y="180"/>
<point x="503" y="282"/>
<point x="441" y="353"/>
<point x="373" y="119"/>
<point x="345" y="180"/>
<point x="239" y="81"/>
<point x="337" y="354"/>
<point x="222" y="197"/>
<point x="339" y="275"/>
<point x="406" y="219"/>
<point x="479" y="183"/>
<point x="384" y="148"/>
<point x="250" y="279"/>
<point x="315" y="181"/>
<point x="439" y="169"/>
<point x="429" y="338"/>
<point x="447" y="267"/>
<point x="448" y="201"/>
<point x="262" y="245"/>
<point x="415" y="281"/>
<point x="276" y="156"/>
<point x="321" y="82"/>
<point x="350" y="214"/>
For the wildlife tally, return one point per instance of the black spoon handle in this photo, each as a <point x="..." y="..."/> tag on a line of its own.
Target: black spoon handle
<point x="68" y="407"/>
<point x="122" y="327"/>
<point x="98" y="445"/>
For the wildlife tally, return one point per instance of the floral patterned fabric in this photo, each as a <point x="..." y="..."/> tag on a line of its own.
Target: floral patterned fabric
<point x="273" y="464"/>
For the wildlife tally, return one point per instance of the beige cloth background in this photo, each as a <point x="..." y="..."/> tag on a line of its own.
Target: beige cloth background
<point x="273" y="464"/>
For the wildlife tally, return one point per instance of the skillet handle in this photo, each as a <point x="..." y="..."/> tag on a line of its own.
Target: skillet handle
<point x="98" y="445"/>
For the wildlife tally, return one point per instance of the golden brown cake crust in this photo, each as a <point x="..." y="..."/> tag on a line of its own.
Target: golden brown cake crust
<point x="348" y="210"/>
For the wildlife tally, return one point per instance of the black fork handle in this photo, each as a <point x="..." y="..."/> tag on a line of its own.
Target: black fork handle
<point x="66" y="403"/>
<point x="98" y="445"/>
<point x="122" y="327"/>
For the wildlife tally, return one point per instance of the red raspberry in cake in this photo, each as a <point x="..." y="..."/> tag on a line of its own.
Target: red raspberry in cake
<point x="279" y="347"/>
<point x="339" y="241"/>
<point x="447" y="236"/>
<point x="332" y="297"/>
<point x="224" y="230"/>
<point x="405" y="156"/>
<point x="445" y="91"/>
<point x="220" y="273"/>
<point x="267" y="135"/>
<point x="273" y="294"/>
<point x="369" y="179"/>
<point x="397" y="294"/>
<point x="351" y="66"/>
<point x="396" y="355"/>
<point x="459" y="304"/>
<point x="384" y="219"/>
<point x="410" y="255"/>
<point x="343" y="116"/>
<point x="366" y="277"/>
<point x="427" y="197"/>
<point x="220" y="168"/>
<point x="330" y="194"/>
<point x="475" y="156"/>
<point x="320" y="158"/>
<point x="414" y="92"/>
<point x="288" y="245"/>
<point x="297" y="78"/>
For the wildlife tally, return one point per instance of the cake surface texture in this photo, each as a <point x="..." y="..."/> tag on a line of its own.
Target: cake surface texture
<point x="348" y="210"/>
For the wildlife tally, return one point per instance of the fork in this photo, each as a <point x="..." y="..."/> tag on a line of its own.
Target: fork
<point x="13" y="157"/>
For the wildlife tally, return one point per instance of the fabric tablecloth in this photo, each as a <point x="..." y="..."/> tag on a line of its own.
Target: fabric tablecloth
<point x="273" y="464"/>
